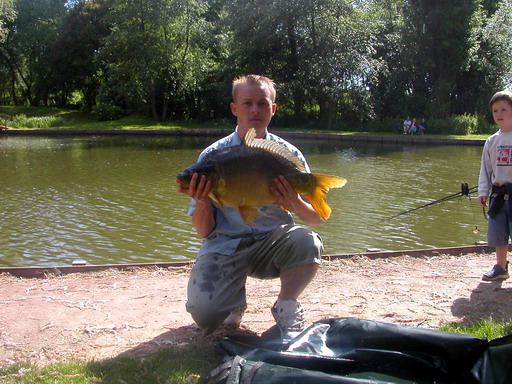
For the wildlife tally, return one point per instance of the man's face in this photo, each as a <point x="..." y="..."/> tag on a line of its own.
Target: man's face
<point x="253" y="108"/>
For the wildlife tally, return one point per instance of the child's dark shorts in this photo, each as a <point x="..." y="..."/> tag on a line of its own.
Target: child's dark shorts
<point x="499" y="227"/>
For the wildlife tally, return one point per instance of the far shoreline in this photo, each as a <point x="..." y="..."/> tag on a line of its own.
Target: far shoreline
<point x="343" y="137"/>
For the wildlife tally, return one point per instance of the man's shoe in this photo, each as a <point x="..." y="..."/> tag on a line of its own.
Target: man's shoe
<point x="234" y="319"/>
<point x="290" y="322"/>
<point x="496" y="273"/>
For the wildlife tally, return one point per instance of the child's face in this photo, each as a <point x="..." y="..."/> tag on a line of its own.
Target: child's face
<point x="502" y="114"/>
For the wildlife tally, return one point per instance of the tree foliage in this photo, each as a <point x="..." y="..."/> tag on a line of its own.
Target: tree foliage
<point x="155" y="56"/>
<point x="321" y="51"/>
<point x="72" y="53"/>
<point x="6" y="14"/>
<point x="24" y="52"/>
<point x="338" y="63"/>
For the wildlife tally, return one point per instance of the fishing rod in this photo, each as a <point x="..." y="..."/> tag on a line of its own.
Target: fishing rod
<point x="465" y="190"/>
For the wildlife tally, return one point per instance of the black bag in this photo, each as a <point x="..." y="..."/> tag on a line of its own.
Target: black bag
<point x="350" y="350"/>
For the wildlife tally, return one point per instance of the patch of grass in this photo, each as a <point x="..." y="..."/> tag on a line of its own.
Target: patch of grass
<point x="34" y="111"/>
<point x="42" y="122"/>
<point x="67" y="372"/>
<point x="487" y="328"/>
<point x="171" y="365"/>
<point x="178" y="365"/>
<point x="40" y="118"/>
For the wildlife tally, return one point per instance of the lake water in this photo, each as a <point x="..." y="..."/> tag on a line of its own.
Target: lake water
<point x="113" y="199"/>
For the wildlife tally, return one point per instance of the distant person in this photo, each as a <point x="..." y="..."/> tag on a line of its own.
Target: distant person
<point x="495" y="180"/>
<point x="406" y="125"/>
<point x="413" y="129"/>
<point x="273" y="246"/>
<point x="422" y="126"/>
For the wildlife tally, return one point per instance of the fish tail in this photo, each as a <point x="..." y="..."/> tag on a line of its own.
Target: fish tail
<point x="317" y="197"/>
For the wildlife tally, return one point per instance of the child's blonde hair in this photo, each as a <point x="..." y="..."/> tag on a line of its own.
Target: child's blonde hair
<point x="506" y="95"/>
<point x="255" y="80"/>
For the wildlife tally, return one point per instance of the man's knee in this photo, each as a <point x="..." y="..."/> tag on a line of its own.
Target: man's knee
<point x="307" y="242"/>
<point x="206" y="316"/>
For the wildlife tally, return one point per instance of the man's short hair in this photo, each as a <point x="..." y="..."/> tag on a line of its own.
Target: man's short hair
<point x="258" y="80"/>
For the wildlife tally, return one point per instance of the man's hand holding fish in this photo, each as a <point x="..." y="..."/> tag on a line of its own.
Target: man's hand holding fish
<point x="288" y="199"/>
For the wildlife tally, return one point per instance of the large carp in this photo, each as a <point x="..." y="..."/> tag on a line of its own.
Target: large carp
<point x="241" y="176"/>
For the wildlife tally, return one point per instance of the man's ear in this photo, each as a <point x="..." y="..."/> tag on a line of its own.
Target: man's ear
<point x="274" y="108"/>
<point x="233" y="108"/>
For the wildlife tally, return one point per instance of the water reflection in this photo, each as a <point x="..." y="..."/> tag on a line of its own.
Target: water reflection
<point x="113" y="200"/>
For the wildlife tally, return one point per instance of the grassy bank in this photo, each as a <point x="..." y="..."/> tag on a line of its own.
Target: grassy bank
<point x="66" y="119"/>
<point x="177" y="365"/>
<point x="53" y="118"/>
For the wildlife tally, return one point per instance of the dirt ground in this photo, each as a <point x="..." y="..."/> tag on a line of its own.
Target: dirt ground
<point x="104" y="314"/>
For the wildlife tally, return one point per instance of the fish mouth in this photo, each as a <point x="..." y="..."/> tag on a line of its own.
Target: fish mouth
<point x="183" y="177"/>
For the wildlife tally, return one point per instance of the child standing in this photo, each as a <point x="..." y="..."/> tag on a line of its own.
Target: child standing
<point x="495" y="180"/>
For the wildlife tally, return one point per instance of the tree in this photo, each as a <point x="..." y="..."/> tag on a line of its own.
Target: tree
<point x="320" y="51"/>
<point x="24" y="52"/>
<point x="436" y="36"/>
<point x="441" y="58"/>
<point x="156" y="55"/>
<point x="498" y="37"/>
<point x="392" y="87"/>
<point x="338" y="63"/>
<point x="7" y="14"/>
<point x="71" y="55"/>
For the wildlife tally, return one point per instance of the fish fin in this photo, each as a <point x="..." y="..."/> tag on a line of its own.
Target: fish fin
<point x="317" y="197"/>
<point x="250" y="140"/>
<point x="248" y="214"/>
<point x="250" y="135"/>
<point x="217" y="200"/>
<point x="283" y="208"/>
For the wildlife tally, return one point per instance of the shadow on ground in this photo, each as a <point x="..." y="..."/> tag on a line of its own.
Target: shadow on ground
<point x="489" y="300"/>
<point x="181" y="355"/>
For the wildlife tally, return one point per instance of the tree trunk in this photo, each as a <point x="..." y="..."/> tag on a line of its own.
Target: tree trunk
<point x="154" y="111"/>
<point x="165" y="107"/>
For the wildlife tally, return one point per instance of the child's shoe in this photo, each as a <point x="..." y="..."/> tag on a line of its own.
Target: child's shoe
<point x="496" y="273"/>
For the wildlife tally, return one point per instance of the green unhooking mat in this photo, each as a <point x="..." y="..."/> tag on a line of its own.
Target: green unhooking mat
<point x="355" y="351"/>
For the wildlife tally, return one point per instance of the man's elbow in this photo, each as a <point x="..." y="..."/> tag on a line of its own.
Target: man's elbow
<point x="203" y="235"/>
<point x="204" y="232"/>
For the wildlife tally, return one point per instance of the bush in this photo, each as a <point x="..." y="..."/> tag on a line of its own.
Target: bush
<point x="485" y="126"/>
<point x="461" y="125"/>
<point x="42" y="122"/>
<point x="384" y="125"/>
<point x="440" y="126"/>
<point x="107" y="112"/>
